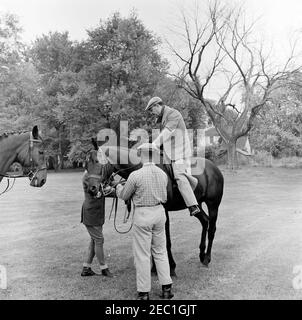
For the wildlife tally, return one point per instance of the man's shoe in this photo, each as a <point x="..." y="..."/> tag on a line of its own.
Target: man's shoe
<point x="143" y="296"/>
<point x="107" y="273"/>
<point x="86" y="272"/>
<point x="195" y="209"/>
<point x="166" y="293"/>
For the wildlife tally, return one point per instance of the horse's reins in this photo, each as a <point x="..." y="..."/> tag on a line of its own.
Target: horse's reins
<point x="126" y="216"/>
<point x="8" y="188"/>
<point x="32" y="172"/>
<point x="114" y="206"/>
<point x="111" y="177"/>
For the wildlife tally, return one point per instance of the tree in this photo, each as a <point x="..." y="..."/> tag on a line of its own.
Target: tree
<point x="96" y="83"/>
<point x="10" y="45"/>
<point x="52" y="53"/>
<point x="221" y="49"/>
<point x="278" y="129"/>
<point x="18" y="79"/>
<point x="52" y="56"/>
<point x="125" y="68"/>
<point x="20" y="97"/>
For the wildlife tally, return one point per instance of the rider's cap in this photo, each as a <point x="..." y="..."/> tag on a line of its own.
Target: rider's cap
<point x="152" y="102"/>
<point x="147" y="147"/>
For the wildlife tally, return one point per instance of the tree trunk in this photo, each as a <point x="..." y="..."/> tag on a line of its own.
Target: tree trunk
<point x="232" y="156"/>
<point x="60" y="151"/>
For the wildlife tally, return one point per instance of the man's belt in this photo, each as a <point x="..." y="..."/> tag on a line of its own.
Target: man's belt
<point x="153" y="205"/>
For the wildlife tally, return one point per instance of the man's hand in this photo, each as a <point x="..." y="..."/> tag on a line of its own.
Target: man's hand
<point x="155" y="146"/>
<point x="164" y="136"/>
<point x="119" y="188"/>
<point x="115" y="183"/>
<point x="108" y="189"/>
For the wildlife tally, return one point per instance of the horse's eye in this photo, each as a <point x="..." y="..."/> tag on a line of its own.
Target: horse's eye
<point x="41" y="152"/>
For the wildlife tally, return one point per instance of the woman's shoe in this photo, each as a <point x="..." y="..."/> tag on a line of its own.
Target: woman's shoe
<point x="87" y="272"/>
<point x="107" y="273"/>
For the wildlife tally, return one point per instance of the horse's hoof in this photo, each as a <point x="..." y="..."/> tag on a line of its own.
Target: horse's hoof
<point x="206" y="261"/>
<point x="202" y="257"/>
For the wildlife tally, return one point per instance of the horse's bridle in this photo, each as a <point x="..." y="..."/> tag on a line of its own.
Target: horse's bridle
<point x="33" y="170"/>
<point x="111" y="177"/>
<point x="105" y="193"/>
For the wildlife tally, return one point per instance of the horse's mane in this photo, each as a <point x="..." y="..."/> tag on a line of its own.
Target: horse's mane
<point x="8" y="134"/>
<point x="107" y="169"/>
<point x="118" y="148"/>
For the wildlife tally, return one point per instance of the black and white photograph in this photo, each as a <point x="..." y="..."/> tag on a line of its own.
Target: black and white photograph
<point x="150" y="150"/>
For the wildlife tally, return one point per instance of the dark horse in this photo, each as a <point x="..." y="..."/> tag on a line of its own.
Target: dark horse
<point x="26" y="149"/>
<point x="209" y="190"/>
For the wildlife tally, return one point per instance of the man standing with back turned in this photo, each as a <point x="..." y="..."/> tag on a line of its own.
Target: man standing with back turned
<point x="176" y="144"/>
<point x="148" y="187"/>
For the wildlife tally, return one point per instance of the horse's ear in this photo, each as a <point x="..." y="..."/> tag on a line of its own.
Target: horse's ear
<point x="94" y="143"/>
<point x="35" y="132"/>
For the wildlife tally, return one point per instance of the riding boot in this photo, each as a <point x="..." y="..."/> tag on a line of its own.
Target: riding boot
<point x="195" y="209"/>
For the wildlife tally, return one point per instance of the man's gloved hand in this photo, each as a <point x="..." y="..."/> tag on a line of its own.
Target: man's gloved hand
<point x="108" y="189"/>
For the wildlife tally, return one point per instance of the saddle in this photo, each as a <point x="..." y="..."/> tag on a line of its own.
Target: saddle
<point x="172" y="188"/>
<point x="169" y="171"/>
<point x="167" y="167"/>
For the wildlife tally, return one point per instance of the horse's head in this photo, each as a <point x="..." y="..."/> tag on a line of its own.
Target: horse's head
<point x="97" y="174"/>
<point x="32" y="158"/>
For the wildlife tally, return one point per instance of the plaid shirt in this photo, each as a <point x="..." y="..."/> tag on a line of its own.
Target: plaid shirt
<point x="147" y="186"/>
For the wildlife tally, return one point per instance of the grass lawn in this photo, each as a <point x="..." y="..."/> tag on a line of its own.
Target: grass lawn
<point x="257" y="245"/>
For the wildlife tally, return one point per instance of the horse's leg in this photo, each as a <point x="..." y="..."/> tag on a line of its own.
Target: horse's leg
<point x="213" y="212"/>
<point x="202" y="246"/>
<point x="168" y="242"/>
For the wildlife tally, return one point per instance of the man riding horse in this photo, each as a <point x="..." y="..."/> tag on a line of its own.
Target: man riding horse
<point x="174" y="140"/>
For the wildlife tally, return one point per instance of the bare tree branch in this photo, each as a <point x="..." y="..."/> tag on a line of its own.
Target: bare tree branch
<point x="247" y="71"/>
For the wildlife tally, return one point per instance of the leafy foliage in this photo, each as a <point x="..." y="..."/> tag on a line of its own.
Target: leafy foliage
<point x="72" y="90"/>
<point x="278" y="129"/>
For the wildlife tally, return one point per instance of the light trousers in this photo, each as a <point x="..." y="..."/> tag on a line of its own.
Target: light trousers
<point x="180" y="168"/>
<point x="149" y="237"/>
